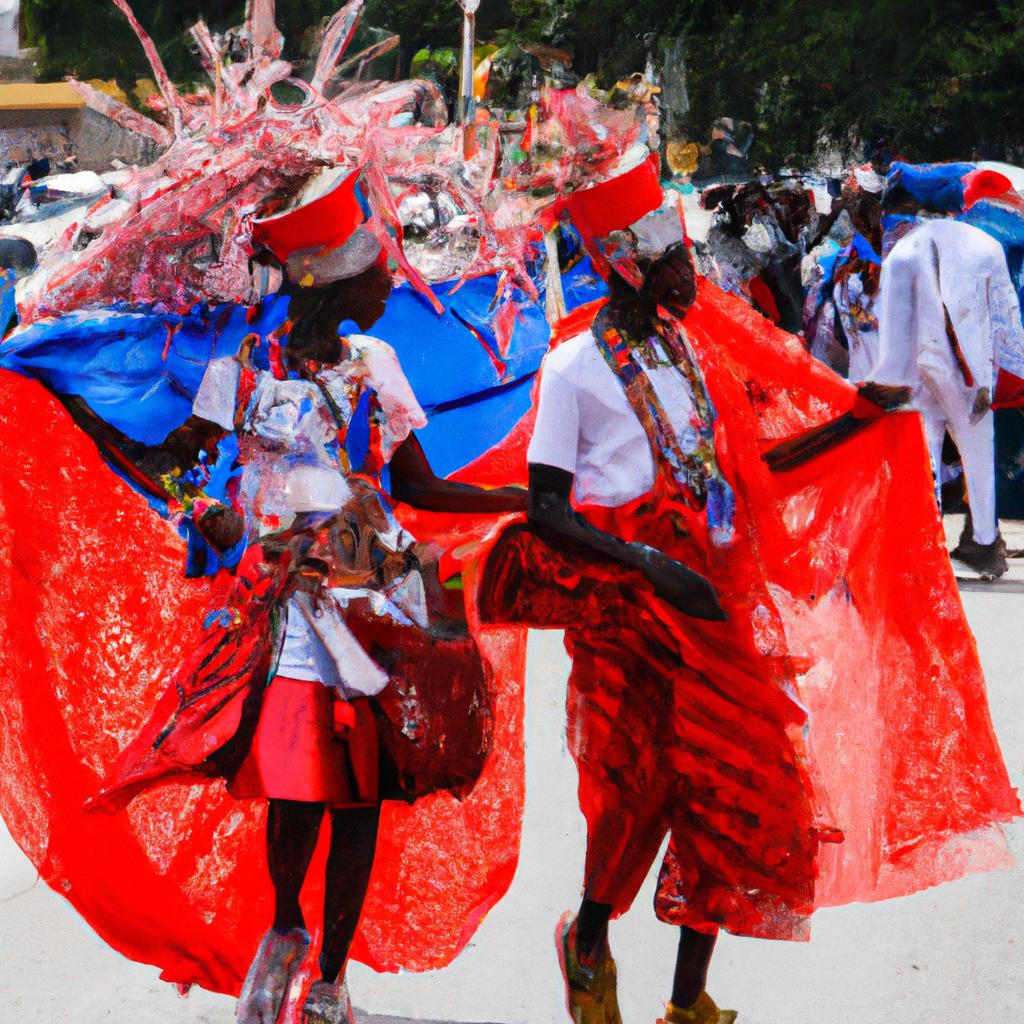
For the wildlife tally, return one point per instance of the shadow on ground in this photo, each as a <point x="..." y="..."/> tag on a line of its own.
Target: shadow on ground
<point x="363" y="1019"/>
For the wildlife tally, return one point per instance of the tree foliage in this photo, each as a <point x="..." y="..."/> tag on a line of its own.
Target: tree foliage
<point x="91" y="39"/>
<point x="939" y="78"/>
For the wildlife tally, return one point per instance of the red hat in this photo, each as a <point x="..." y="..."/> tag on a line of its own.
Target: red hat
<point x="325" y="221"/>
<point x="983" y="183"/>
<point x="600" y="209"/>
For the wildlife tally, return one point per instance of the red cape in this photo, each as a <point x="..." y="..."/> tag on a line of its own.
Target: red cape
<point x="96" y="616"/>
<point x="901" y="746"/>
<point x="839" y="580"/>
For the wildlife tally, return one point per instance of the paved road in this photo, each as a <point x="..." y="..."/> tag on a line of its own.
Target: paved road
<point x="946" y="956"/>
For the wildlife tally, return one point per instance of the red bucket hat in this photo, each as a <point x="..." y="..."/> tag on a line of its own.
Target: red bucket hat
<point x="321" y="238"/>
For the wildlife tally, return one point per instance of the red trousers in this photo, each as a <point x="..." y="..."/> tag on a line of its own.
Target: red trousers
<point x="662" y="750"/>
<point x="678" y="726"/>
<point x="303" y="749"/>
<point x="684" y="728"/>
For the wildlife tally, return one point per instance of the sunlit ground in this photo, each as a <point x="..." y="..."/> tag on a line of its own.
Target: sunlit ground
<point x="945" y="956"/>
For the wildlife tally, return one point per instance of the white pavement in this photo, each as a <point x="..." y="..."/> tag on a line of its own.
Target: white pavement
<point x="950" y="955"/>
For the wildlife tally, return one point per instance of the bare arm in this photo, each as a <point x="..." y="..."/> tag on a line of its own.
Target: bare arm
<point x="178" y="451"/>
<point x="146" y="465"/>
<point x="414" y="482"/>
<point x="552" y="516"/>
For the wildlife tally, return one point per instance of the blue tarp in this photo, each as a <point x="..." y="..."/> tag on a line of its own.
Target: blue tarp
<point x="8" y="309"/>
<point x="140" y="371"/>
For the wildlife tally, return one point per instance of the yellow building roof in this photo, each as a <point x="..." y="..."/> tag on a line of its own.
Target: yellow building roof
<point x="39" y="96"/>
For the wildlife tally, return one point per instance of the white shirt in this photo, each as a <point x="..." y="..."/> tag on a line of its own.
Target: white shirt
<point x="303" y="656"/>
<point x="586" y="426"/>
<point x="290" y="465"/>
<point x="944" y="262"/>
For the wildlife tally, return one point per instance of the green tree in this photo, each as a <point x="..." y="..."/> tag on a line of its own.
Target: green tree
<point x="92" y="39"/>
<point x="939" y="78"/>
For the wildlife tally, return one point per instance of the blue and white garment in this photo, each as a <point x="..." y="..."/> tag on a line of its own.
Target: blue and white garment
<point x="293" y="463"/>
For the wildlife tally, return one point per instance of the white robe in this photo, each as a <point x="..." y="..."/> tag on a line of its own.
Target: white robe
<point x="944" y="265"/>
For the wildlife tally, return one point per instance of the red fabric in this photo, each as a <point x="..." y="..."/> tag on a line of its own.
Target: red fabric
<point x="97" y="617"/>
<point x="610" y="205"/>
<point x="900" y="745"/>
<point x="762" y="296"/>
<point x="982" y="183"/>
<point x="1009" y="391"/>
<point x="676" y="726"/>
<point x="723" y="750"/>
<point x="438" y="698"/>
<point x="297" y="754"/>
<point x="204" y="720"/>
<point x="344" y="716"/>
<point x="842" y="603"/>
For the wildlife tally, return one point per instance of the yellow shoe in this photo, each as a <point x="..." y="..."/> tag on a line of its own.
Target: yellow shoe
<point x="590" y="990"/>
<point x="703" y="1011"/>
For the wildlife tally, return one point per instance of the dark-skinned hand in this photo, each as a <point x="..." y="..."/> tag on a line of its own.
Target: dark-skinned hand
<point x="885" y="396"/>
<point x="685" y="590"/>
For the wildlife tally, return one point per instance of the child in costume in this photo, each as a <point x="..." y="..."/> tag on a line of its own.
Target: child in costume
<point x="277" y="698"/>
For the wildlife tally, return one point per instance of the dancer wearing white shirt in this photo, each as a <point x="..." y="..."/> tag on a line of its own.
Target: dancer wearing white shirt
<point x="945" y="300"/>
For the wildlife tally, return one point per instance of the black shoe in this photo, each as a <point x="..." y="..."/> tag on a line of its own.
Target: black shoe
<point x="989" y="560"/>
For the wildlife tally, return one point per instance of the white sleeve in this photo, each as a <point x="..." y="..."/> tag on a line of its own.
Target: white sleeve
<point x="402" y="411"/>
<point x="556" y="433"/>
<point x="218" y="393"/>
<point x="907" y="296"/>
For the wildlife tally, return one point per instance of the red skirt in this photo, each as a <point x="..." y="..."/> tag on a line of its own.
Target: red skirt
<point x="312" y="746"/>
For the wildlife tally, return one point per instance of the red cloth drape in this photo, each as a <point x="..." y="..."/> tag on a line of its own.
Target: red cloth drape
<point x="95" y="618"/>
<point x="838" y="584"/>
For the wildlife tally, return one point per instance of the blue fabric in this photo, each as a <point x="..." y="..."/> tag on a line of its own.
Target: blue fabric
<point x="582" y="284"/>
<point x="937" y="187"/>
<point x="214" y="476"/>
<point x="458" y="433"/>
<point x="1006" y="226"/>
<point x="140" y="371"/>
<point x="892" y="220"/>
<point x="455" y="354"/>
<point x="8" y="309"/>
<point x="827" y="263"/>
<point x="357" y="436"/>
<point x="864" y="249"/>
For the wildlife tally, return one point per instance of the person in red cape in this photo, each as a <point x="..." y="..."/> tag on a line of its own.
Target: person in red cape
<point x="685" y="712"/>
<point x="281" y="695"/>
